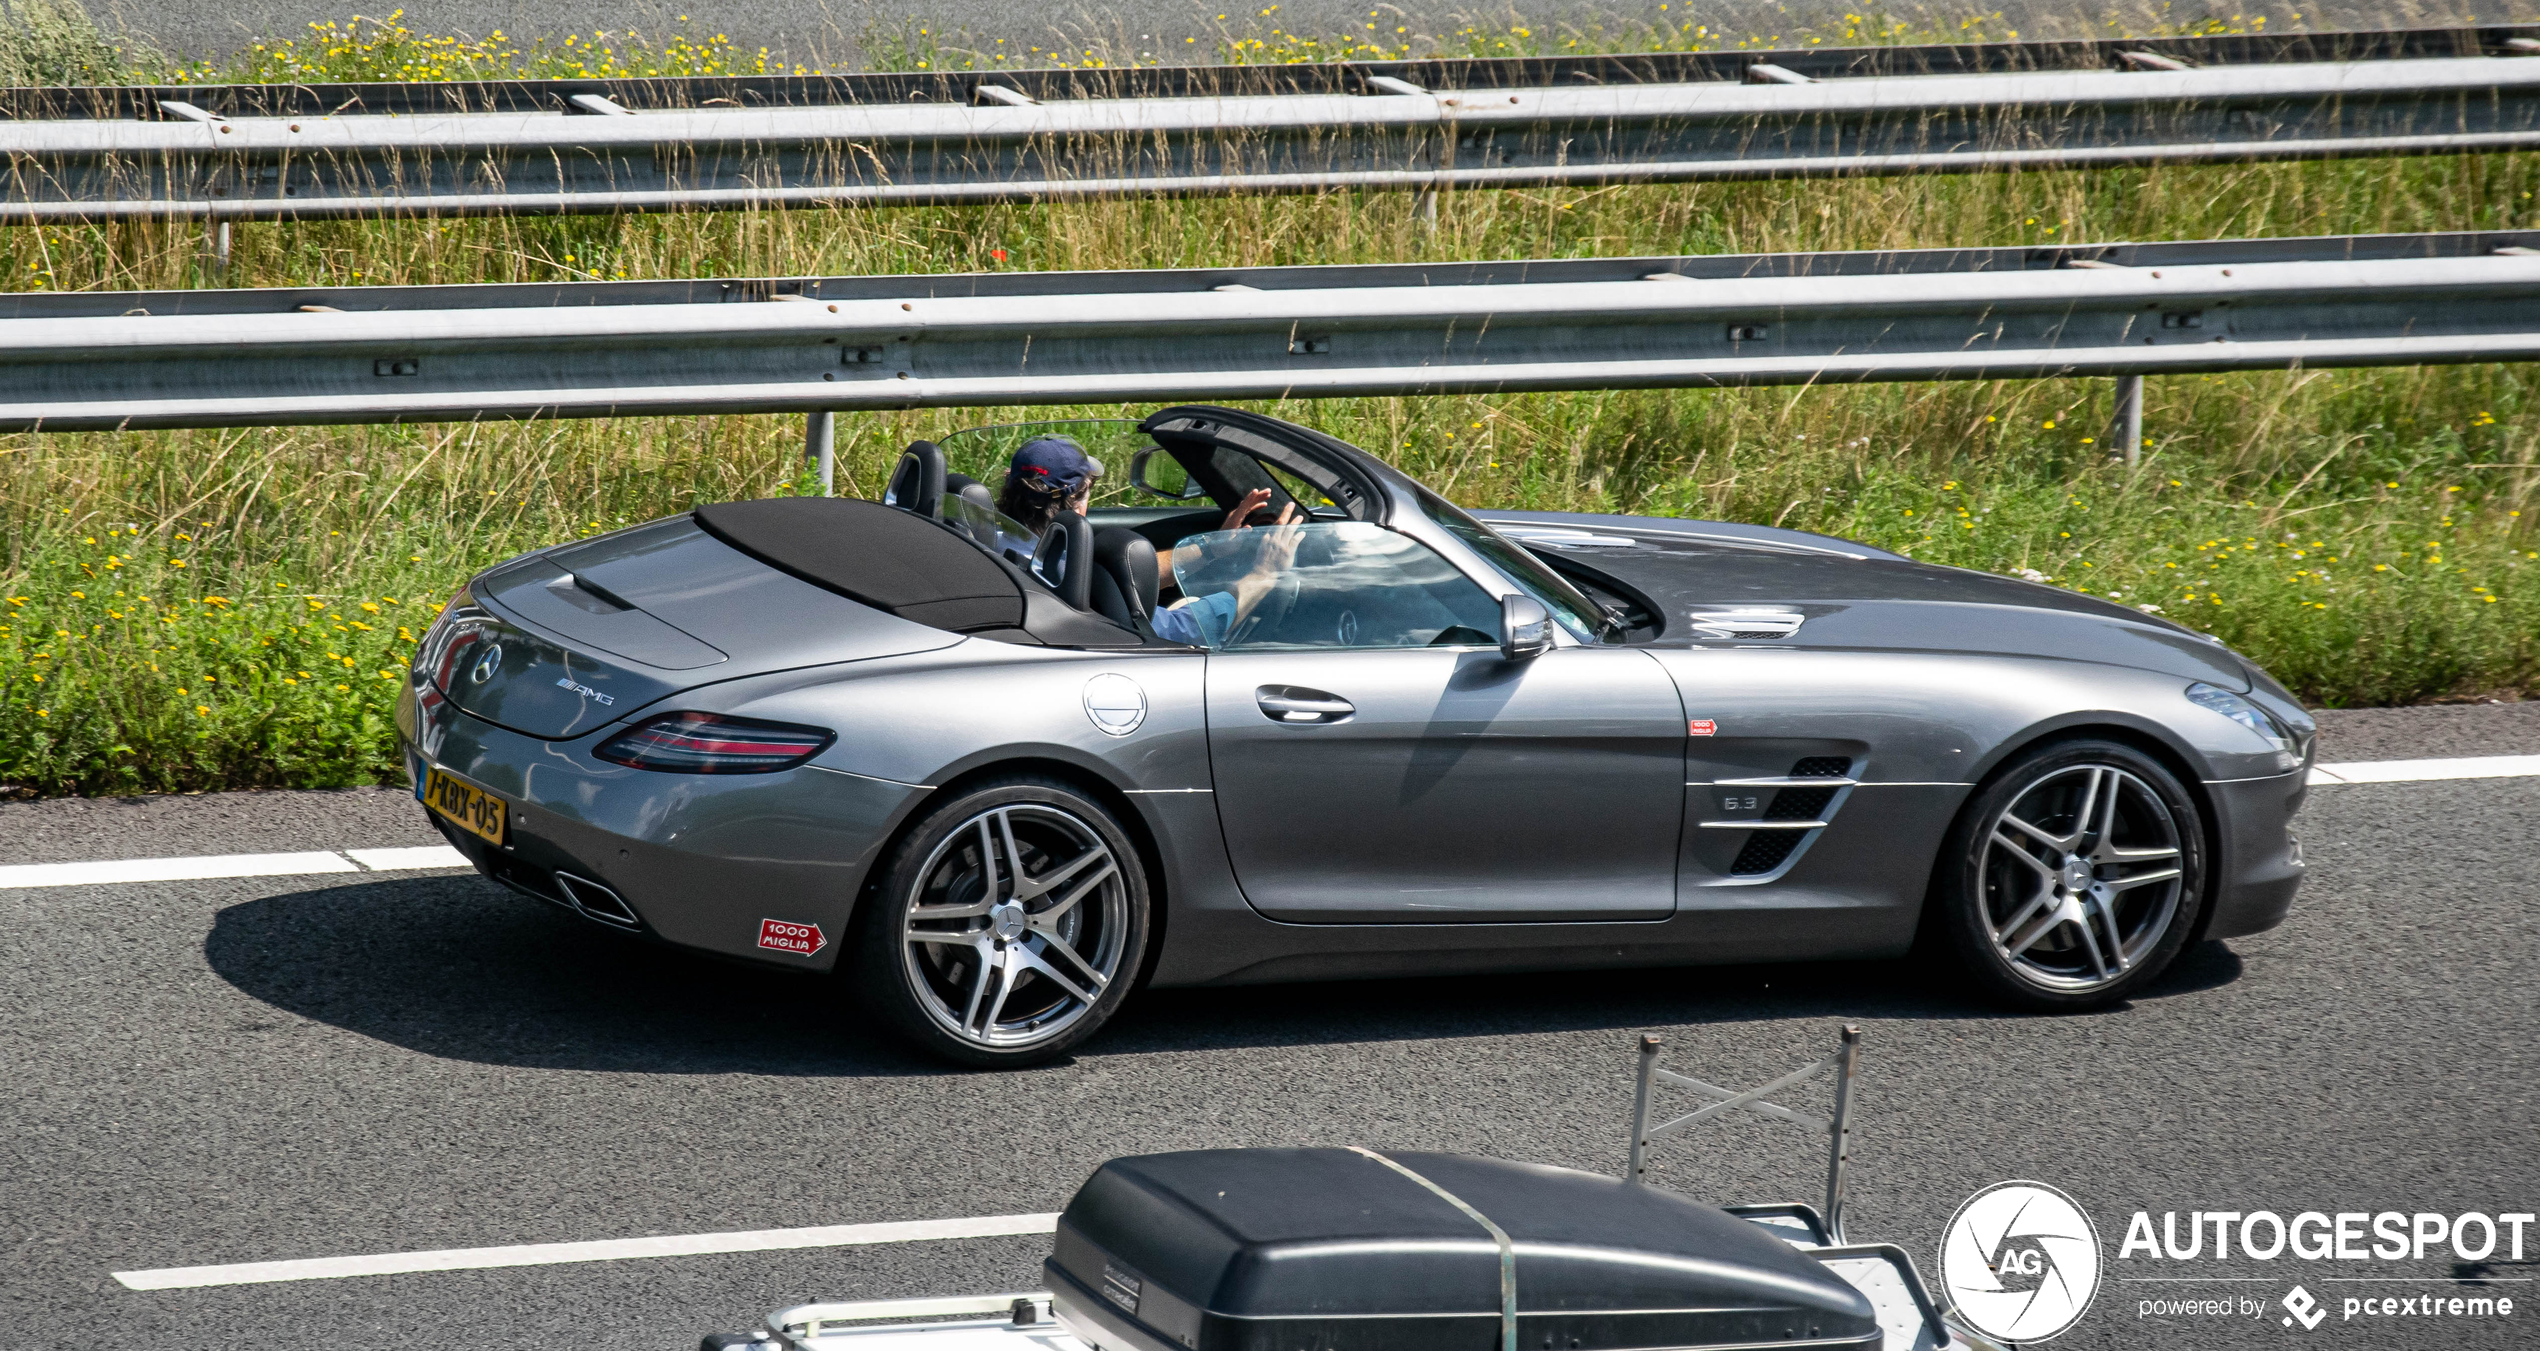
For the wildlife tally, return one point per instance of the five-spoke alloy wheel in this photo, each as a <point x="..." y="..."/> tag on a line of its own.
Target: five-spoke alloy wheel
<point x="2074" y="875"/>
<point x="1008" y="924"/>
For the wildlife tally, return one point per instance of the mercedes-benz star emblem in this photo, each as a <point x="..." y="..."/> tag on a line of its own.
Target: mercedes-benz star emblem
<point x="487" y="665"/>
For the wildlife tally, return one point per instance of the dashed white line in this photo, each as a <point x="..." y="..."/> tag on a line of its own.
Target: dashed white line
<point x="2418" y="771"/>
<point x="606" y="1250"/>
<point x="204" y="866"/>
<point x="198" y="867"/>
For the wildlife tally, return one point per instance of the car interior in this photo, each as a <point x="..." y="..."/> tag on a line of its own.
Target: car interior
<point x="1164" y="480"/>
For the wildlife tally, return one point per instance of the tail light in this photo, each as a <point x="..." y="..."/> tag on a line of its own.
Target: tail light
<point x="708" y="743"/>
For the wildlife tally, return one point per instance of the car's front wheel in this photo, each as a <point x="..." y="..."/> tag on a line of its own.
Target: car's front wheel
<point x="1008" y="924"/>
<point x="2073" y="877"/>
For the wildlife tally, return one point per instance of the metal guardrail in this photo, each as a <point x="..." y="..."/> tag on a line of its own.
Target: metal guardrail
<point x="642" y="93"/>
<point x="90" y="361"/>
<point x="547" y="147"/>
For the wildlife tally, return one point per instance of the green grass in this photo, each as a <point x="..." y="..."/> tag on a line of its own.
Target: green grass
<point x="2365" y="534"/>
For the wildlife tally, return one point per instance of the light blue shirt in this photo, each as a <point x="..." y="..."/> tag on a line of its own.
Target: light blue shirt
<point x="1200" y="621"/>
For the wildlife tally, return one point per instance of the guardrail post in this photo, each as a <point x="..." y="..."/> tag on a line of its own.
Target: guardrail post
<point x="820" y="447"/>
<point x="216" y="243"/>
<point x="1839" y="1151"/>
<point x="1635" y="1171"/>
<point x="1424" y="208"/>
<point x="2128" y="431"/>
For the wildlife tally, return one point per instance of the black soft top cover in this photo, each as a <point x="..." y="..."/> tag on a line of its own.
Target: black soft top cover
<point x="890" y="559"/>
<point x="1331" y="1250"/>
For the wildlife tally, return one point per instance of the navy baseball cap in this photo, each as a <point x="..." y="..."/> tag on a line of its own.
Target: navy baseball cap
<point x="1054" y="465"/>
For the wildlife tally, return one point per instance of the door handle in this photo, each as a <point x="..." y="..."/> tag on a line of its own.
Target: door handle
<point x="1291" y="703"/>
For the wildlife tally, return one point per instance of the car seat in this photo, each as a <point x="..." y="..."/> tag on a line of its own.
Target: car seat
<point x="969" y="489"/>
<point x="1065" y="559"/>
<point x="1125" y="579"/>
<point x="917" y="481"/>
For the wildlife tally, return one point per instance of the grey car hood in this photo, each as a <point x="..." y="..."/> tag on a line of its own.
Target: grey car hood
<point x="593" y="631"/>
<point x="1866" y="599"/>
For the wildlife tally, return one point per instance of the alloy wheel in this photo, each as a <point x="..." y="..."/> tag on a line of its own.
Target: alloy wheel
<point x="2082" y="877"/>
<point x="1017" y="926"/>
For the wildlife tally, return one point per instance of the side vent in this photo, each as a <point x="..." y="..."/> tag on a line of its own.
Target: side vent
<point x="1767" y="850"/>
<point x="1746" y="625"/>
<point x="1798" y="804"/>
<point x="1764" y="851"/>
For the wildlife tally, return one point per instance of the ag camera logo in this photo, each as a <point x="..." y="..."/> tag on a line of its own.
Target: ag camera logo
<point x="2020" y="1261"/>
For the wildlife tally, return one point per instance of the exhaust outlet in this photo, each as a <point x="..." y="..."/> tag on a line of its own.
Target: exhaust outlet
<point x="597" y="901"/>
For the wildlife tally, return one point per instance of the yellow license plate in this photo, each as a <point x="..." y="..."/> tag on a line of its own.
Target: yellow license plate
<point x="470" y="809"/>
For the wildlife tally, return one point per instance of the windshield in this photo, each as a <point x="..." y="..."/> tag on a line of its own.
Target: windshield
<point x="1584" y="618"/>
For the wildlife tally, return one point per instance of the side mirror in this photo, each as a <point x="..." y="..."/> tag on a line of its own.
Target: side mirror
<point x="1170" y="471"/>
<point x="1525" y="628"/>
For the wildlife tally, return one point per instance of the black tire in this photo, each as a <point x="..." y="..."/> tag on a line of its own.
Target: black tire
<point x="1000" y="981"/>
<point x="2101" y="905"/>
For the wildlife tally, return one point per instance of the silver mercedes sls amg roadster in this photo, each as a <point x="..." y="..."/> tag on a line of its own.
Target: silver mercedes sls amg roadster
<point x="955" y="760"/>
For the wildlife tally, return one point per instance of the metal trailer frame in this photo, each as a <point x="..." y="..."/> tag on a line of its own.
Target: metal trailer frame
<point x="84" y="361"/>
<point x="1842" y="1063"/>
<point x="228" y="154"/>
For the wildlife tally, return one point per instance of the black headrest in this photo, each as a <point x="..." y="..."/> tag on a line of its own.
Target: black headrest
<point x="917" y="481"/>
<point x="890" y="560"/>
<point x="1128" y="559"/>
<point x="964" y="486"/>
<point x="1065" y="559"/>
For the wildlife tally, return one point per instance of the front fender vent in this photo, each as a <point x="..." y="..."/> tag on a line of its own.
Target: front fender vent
<point x="1746" y="625"/>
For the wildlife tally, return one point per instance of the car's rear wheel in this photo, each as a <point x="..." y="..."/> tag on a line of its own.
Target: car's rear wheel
<point x="2073" y="877"/>
<point x="1008" y="925"/>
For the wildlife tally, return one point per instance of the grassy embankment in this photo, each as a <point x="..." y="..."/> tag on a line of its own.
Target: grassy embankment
<point x="228" y="608"/>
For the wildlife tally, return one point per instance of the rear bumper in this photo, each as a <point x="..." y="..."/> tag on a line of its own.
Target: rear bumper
<point x="697" y="860"/>
<point x="2259" y="861"/>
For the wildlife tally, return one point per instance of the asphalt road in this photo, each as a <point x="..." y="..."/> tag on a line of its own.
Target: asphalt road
<point x="836" y="33"/>
<point x="260" y="1069"/>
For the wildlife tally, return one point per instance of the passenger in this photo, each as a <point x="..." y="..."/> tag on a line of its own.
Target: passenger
<point x="1049" y="474"/>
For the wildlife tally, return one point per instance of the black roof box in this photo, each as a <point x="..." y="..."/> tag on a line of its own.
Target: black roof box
<point x="1336" y="1250"/>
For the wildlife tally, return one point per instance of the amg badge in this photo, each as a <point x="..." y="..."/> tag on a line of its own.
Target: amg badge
<point x="566" y="683"/>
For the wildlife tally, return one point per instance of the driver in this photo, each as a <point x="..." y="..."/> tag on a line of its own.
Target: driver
<point x="1205" y="620"/>
<point x="1048" y="475"/>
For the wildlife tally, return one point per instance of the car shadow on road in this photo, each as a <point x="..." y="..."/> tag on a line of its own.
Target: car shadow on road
<point x="1652" y="997"/>
<point x="459" y="968"/>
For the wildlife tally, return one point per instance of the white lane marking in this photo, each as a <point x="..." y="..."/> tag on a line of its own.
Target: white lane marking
<point x="200" y="866"/>
<point x="2417" y="771"/>
<point x="443" y="856"/>
<point x="401" y="860"/>
<point x="171" y="869"/>
<point x="606" y="1250"/>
